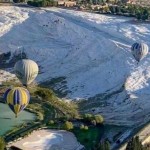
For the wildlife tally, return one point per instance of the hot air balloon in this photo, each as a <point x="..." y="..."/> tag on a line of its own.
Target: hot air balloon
<point x="139" y="51"/>
<point x="17" y="98"/>
<point x="26" y="70"/>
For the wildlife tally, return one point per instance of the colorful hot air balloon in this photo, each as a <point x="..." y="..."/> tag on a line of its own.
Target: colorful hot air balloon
<point x="139" y="51"/>
<point x="26" y="70"/>
<point x="17" y="99"/>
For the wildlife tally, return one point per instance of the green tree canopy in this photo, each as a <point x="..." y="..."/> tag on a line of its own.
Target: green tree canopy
<point x="88" y="117"/>
<point x="135" y="144"/>
<point x="86" y="127"/>
<point x="82" y="126"/>
<point x="51" y="122"/>
<point x="99" y="119"/>
<point x="105" y="145"/>
<point x="68" y="125"/>
<point x="93" y="122"/>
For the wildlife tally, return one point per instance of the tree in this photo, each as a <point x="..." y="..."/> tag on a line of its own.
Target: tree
<point x="107" y="145"/>
<point x="44" y="3"/>
<point x="90" y="2"/>
<point x="132" y="9"/>
<point x="145" y="14"/>
<point x="135" y="144"/>
<point x="93" y="122"/>
<point x="88" y="117"/>
<point x="2" y="144"/>
<point x="95" y="2"/>
<point x="112" y="9"/>
<point x="82" y="127"/>
<point x="86" y="127"/>
<point x="51" y="122"/>
<point x="106" y="9"/>
<point x="142" y="13"/>
<point x="103" y="145"/>
<point x="117" y="9"/>
<point x="68" y="125"/>
<point x="99" y="119"/>
<point x="16" y="1"/>
<point x="138" y="16"/>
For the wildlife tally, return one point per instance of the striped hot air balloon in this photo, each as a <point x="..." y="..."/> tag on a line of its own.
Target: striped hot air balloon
<point x="26" y="71"/>
<point x="17" y="99"/>
<point x="139" y="51"/>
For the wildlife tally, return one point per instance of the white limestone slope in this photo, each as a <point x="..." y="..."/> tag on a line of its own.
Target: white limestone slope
<point x="92" y="51"/>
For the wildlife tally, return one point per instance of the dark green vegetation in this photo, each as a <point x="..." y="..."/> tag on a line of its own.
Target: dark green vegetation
<point x="116" y="7"/>
<point x="84" y="127"/>
<point x="38" y="3"/>
<point x="42" y="3"/>
<point x="141" y="13"/>
<point x="89" y="137"/>
<point x="95" y="2"/>
<point x="135" y="144"/>
<point x="105" y="145"/>
<point x="92" y="119"/>
<point x="18" y="1"/>
<point x="68" y="125"/>
<point x="46" y="105"/>
<point x="55" y="113"/>
<point x="48" y="99"/>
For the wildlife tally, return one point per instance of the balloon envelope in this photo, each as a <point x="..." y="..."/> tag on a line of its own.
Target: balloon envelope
<point x="26" y="70"/>
<point x="17" y="98"/>
<point x="139" y="51"/>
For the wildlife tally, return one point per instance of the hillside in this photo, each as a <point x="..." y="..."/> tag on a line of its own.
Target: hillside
<point x="83" y="56"/>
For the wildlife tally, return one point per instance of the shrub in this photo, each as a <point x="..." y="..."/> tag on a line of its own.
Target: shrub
<point x="51" y="122"/>
<point x="82" y="127"/>
<point x="16" y="1"/>
<point x="99" y="119"/>
<point x="86" y="128"/>
<point x="88" y="117"/>
<point x="42" y="3"/>
<point x="105" y="145"/>
<point x="93" y="122"/>
<point x="135" y="144"/>
<point x="86" y="140"/>
<point x="68" y="125"/>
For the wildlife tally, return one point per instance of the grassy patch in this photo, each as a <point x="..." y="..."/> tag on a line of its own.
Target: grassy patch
<point x="46" y="105"/>
<point x="89" y="137"/>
